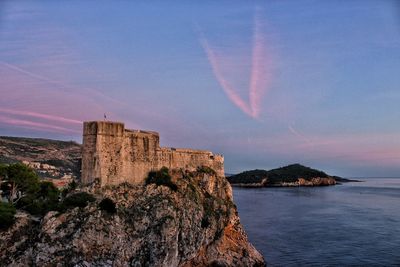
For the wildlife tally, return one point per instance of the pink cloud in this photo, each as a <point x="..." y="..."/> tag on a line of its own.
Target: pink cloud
<point x="259" y="76"/>
<point x="229" y="91"/>
<point x="36" y="125"/>
<point x="40" y="116"/>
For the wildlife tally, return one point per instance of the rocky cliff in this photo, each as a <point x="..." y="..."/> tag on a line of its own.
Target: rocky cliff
<point x="190" y="221"/>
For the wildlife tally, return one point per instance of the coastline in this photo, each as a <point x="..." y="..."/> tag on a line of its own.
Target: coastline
<point x="300" y="183"/>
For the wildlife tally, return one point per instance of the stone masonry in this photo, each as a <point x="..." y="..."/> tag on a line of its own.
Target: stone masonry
<point x="115" y="155"/>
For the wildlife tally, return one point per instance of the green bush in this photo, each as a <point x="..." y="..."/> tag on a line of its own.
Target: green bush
<point x="48" y="191"/>
<point x="26" y="191"/>
<point x="42" y="201"/>
<point x="3" y="171"/>
<point x="206" y="169"/>
<point x="23" y="177"/>
<point x="161" y="177"/>
<point x="108" y="205"/>
<point x="35" y="207"/>
<point x="7" y="212"/>
<point x="81" y="199"/>
<point x="71" y="187"/>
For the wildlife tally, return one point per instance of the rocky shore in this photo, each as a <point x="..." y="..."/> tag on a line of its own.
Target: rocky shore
<point x="316" y="181"/>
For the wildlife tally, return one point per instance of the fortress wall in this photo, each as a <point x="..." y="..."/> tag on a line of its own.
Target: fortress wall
<point x="115" y="155"/>
<point x="139" y="155"/>
<point x="189" y="159"/>
<point x="110" y="153"/>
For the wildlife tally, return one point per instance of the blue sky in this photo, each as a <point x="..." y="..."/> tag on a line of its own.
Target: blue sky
<point x="266" y="83"/>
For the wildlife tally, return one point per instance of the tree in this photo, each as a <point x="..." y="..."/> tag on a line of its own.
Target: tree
<point x="21" y="181"/>
<point x="24" y="190"/>
<point x="7" y="212"/>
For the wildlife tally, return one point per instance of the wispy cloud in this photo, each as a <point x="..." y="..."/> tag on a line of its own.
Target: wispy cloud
<point x="60" y="85"/>
<point x="259" y="73"/>
<point x="40" y="116"/>
<point x="228" y="89"/>
<point x="36" y="125"/>
<point x="259" y="76"/>
<point x="298" y="134"/>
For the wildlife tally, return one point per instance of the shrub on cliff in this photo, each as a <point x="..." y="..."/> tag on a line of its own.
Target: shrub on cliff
<point x="7" y="212"/>
<point x="161" y="177"/>
<point x="41" y="201"/>
<point x="108" y="205"/>
<point x="207" y="170"/>
<point x="81" y="199"/>
<point x="71" y="187"/>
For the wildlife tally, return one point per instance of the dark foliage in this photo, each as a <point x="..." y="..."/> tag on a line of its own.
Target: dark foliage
<point x="71" y="187"/>
<point x="3" y="171"/>
<point x="7" y="212"/>
<point x="22" y="187"/>
<point x="108" y="205"/>
<point x="42" y="201"/>
<point x="248" y="177"/>
<point x="23" y="177"/>
<point x="161" y="177"/>
<point x="207" y="170"/>
<point x="81" y="199"/>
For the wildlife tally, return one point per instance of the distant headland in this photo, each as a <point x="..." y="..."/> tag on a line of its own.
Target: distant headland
<point x="289" y="176"/>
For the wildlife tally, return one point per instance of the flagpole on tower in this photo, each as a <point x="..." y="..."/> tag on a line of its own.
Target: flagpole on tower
<point x="105" y="117"/>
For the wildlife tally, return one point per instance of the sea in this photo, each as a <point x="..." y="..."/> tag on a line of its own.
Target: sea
<point x="353" y="224"/>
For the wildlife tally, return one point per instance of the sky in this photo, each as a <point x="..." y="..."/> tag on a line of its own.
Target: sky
<point x="265" y="83"/>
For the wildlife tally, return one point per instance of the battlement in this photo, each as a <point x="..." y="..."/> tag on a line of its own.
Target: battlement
<point x="114" y="154"/>
<point x="103" y="128"/>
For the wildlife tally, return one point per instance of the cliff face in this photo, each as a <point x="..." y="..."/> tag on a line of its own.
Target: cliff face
<point x="195" y="225"/>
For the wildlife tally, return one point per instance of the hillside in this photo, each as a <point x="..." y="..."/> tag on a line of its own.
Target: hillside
<point x="290" y="175"/>
<point x="189" y="221"/>
<point x="49" y="158"/>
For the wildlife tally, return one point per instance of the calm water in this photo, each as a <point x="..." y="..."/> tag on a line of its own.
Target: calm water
<point x="354" y="224"/>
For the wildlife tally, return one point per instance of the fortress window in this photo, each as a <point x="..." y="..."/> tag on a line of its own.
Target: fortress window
<point x="211" y="157"/>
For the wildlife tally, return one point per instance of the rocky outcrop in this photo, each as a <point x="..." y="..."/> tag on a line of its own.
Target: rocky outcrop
<point x="316" y="181"/>
<point x="193" y="224"/>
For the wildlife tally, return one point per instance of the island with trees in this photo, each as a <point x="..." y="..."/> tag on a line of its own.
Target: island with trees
<point x="288" y="176"/>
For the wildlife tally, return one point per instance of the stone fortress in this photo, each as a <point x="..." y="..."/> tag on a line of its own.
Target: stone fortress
<point x="113" y="155"/>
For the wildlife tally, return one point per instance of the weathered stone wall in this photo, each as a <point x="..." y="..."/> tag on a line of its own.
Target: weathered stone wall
<point x="189" y="159"/>
<point x="114" y="154"/>
<point x="102" y="151"/>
